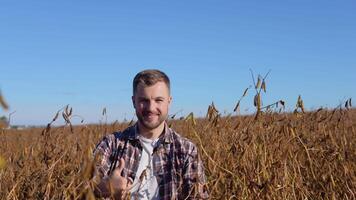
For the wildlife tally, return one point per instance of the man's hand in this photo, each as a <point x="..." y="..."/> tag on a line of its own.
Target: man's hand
<point x="116" y="185"/>
<point x="120" y="184"/>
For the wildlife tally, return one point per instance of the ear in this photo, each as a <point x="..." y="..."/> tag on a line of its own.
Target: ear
<point x="170" y="100"/>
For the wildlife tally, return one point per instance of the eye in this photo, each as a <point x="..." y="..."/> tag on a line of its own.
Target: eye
<point x="142" y="100"/>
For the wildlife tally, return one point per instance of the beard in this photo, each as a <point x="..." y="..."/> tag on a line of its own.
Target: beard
<point x="150" y="124"/>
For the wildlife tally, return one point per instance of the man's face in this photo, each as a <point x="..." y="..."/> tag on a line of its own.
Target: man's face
<point x="151" y="104"/>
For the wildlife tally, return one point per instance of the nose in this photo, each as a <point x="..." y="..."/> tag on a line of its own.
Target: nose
<point x="150" y="106"/>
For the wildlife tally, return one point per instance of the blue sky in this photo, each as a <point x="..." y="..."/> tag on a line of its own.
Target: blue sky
<point x="86" y="53"/>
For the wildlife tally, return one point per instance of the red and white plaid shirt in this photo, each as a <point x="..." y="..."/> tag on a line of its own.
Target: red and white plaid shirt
<point x="176" y="162"/>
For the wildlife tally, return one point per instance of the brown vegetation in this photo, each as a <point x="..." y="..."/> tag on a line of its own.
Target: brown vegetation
<point x="271" y="155"/>
<point x="278" y="156"/>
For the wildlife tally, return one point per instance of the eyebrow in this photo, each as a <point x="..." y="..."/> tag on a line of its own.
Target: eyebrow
<point x="145" y="98"/>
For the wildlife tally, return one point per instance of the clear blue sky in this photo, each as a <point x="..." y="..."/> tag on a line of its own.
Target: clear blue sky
<point x="85" y="53"/>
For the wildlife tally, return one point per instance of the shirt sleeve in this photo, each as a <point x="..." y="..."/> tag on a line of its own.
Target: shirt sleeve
<point x="194" y="180"/>
<point x="102" y="154"/>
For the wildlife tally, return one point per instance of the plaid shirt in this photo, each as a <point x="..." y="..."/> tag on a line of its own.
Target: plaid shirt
<point x="176" y="163"/>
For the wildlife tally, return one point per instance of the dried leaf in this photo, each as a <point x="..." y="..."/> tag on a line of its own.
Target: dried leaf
<point x="3" y="102"/>
<point x="65" y="117"/>
<point x="216" y="120"/>
<point x="282" y="103"/>
<point x="299" y="102"/>
<point x="66" y="110"/>
<point x="245" y="92"/>
<point x="302" y="105"/>
<point x="190" y="117"/>
<point x="263" y="86"/>
<point x="104" y="111"/>
<point x="70" y="111"/>
<point x="55" y="117"/>
<point x="212" y="111"/>
<point x="48" y="128"/>
<point x="208" y="114"/>
<point x="347" y="104"/>
<point x="268" y="108"/>
<point x="257" y="101"/>
<point x="258" y="84"/>
<point x="71" y="127"/>
<point x="350" y="102"/>
<point x="131" y="122"/>
<point x="237" y="106"/>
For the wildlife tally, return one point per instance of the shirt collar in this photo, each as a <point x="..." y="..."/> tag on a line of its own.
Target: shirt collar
<point x="166" y="136"/>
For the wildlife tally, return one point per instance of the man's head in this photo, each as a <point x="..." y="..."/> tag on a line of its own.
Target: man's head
<point x="149" y="77"/>
<point x="151" y="98"/>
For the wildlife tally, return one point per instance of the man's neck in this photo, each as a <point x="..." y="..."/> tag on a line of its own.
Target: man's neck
<point x="151" y="133"/>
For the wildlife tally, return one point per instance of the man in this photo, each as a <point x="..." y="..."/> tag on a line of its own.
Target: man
<point x="149" y="160"/>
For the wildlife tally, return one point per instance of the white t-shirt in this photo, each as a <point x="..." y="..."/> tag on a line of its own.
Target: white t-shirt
<point x="148" y="187"/>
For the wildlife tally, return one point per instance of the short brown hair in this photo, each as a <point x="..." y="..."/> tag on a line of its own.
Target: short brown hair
<point x="150" y="77"/>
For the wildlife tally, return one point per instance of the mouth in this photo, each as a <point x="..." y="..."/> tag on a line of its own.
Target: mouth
<point x="149" y="115"/>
